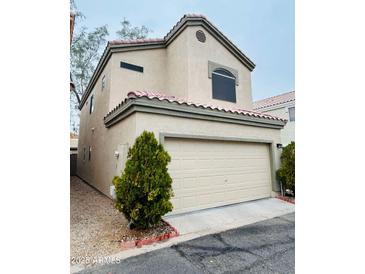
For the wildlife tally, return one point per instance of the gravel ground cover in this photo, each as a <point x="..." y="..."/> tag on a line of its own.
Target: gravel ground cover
<point x="97" y="228"/>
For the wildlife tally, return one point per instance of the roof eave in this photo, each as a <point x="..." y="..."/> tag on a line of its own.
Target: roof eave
<point x="141" y="104"/>
<point x="174" y="32"/>
<point x="215" y="32"/>
<point x="109" y="50"/>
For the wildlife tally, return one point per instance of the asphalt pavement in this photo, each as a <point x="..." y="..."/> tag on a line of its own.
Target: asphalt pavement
<point x="263" y="247"/>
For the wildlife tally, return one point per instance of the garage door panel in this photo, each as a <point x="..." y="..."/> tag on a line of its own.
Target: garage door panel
<point x="218" y="188"/>
<point x="185" y="204"/>
<point x="213" y="173"/>
<point x="251" y="173"/>
<point x="212" y="164"/>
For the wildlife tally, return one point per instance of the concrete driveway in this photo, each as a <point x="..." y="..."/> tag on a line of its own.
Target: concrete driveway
<point x="263" y="247"/>
<point x="208" y="221"/>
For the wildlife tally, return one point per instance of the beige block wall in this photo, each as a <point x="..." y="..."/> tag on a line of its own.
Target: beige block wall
<point x="123" y="81"/>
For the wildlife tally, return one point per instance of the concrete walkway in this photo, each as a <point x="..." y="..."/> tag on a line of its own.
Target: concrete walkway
<point x="222" y="218"/>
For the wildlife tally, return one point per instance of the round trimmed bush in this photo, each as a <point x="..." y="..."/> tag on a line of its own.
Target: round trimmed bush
<point x="144" y="189"/>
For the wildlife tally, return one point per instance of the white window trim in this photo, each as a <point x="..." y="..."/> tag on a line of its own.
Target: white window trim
<point x="212" y="66"/>
<point x="230" y="77"/>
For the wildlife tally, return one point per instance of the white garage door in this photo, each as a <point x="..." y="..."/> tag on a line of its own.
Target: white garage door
<point x="213" y="173"/>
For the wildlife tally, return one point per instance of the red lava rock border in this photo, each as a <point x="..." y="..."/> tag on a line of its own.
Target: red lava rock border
<point x="286" y="199"/>
<point x="151" y="240"/>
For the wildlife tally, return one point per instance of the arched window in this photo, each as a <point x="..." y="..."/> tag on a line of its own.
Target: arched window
<point x="224" y="85"/>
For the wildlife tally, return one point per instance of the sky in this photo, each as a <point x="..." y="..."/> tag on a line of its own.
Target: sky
<point x="263" y="30"/>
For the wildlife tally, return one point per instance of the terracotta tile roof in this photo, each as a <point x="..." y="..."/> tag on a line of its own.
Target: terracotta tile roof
<point x="191" y="15"/>
<point x="152" y="95"/>
<point x="136" y="41"/>
<point x="275" y="100"/>
<point x="186" y="19"/>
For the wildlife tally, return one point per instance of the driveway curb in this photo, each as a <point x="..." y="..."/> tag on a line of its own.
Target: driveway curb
<point x="141" y="242"/>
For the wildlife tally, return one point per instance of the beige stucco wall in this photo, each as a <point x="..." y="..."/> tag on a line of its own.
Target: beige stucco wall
<point x="200" y="85"/>
<point x="123" y="81"/>
<point x="167" y="124"/>
<point x="177" y="66"/>
<point x="100" y="170"/>
<point x="288" y="132"/>
<point x="103" y="166"/>
<point x="180" y="69"/>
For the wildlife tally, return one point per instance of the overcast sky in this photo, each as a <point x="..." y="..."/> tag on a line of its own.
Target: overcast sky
<point x="262" y="29"/>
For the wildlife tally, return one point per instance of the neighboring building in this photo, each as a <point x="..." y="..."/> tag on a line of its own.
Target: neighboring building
<point x="282" y="105"/>
<point x="193" y="90"/>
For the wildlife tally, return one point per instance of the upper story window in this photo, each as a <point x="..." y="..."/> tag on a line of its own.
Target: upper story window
<point x="131" y="66"/>
<point x="292" y="114"/>
<point x="84" y="157"/>
<point x="91" y="109"/>
<point x="224" y="85"/>
<point x="103" y="83"/>
<point x="89" y="153"/>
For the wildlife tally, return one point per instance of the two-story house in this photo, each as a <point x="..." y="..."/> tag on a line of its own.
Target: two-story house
<point x="282" y="105"/>
<point x="192" y="88"/>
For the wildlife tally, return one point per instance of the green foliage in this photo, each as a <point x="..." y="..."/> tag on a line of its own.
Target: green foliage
<point x="286" y="172"/>
<point x="131" y="33"/>
<point x="144" y="189"/>
<point x="85" y="53"/>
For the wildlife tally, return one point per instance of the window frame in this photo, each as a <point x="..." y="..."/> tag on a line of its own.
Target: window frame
<point x="132" y="67"/>
<point x="103" y="83"/>
<point x="225" y="74"/>
<point x="291" y="118"/>
<point x="92" y="101"/>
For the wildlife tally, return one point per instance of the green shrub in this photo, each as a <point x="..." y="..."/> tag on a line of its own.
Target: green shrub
<point x="286" y="173"/>
<point x="143" y="191"/>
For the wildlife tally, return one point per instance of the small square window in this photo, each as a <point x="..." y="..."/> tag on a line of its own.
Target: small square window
<point x="103" y="83"/>
<point x="131" y="67"/>
<point x="91" y="104"/>
<point x="292" y="114"/>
